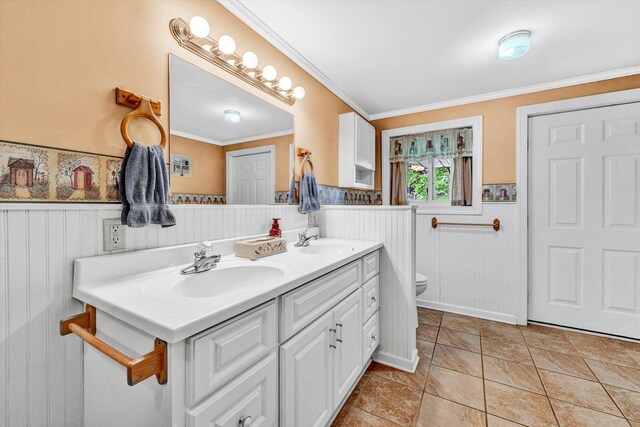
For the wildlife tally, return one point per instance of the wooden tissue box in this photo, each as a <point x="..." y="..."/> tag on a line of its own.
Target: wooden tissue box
<point x="258" y="248"/>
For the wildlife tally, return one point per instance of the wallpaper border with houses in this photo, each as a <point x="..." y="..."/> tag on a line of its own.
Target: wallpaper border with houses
<point x="34" y="173"/>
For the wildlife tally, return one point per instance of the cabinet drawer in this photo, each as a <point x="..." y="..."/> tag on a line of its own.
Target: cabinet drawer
<point x="370" y="291"/>
<point x="370" y="265"/>
<point x="302" y="306"/>
<point x="370" y="340"/>
<point x="253" y="394"/>
<point x="215" y="356"/>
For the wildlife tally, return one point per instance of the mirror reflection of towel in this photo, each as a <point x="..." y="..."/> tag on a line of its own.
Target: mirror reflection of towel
<point x="144" y="187"/>
<point x="309" y="201"/>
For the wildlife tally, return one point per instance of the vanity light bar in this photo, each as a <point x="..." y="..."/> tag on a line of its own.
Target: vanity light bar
<point x="222" y="53"/>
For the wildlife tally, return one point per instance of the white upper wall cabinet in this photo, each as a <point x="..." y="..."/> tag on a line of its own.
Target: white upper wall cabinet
<point x="357" y="152"/>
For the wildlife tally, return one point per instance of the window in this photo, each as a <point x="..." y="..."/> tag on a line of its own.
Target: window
<point x="421" y="189"/>
<point x="440" y="165"/>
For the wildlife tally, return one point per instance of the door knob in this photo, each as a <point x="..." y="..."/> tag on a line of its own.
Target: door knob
<point x="245" y="421"/>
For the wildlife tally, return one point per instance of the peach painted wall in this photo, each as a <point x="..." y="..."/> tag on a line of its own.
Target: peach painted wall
<point x="282" y="156"/>
<point x="499" y="138"/>
<point x="207" y="162"/>
<point x="61" y="60"/>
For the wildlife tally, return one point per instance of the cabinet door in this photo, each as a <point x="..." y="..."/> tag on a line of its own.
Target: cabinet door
<point x="347" y="318"/>
<point x="364" y="144"/>
<point x="306" y="367"/>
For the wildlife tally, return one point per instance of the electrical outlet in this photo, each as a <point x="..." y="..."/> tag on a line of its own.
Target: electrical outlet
<point x="114" y="234"/>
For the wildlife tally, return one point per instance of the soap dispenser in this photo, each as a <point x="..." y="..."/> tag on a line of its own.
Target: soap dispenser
<point x="275" y="229"/>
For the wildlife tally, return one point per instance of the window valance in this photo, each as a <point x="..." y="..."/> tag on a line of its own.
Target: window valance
<point x="439" y="144"/>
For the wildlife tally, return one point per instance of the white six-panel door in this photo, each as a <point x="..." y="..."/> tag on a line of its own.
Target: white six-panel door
<point x="584" y="219"/>
<point x="250" y="176"/>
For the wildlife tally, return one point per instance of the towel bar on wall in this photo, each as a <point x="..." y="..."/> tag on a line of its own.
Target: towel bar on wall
<point x="152" y="363"/>
<point x="495" y="224"/>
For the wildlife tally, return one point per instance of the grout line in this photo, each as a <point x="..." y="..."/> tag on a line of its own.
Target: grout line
<point x="553" y="411"/>
<point x="605" y="389"/>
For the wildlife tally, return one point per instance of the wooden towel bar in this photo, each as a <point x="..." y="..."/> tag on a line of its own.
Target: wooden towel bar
<point x="152" y="363"/>
<point x="495" y="224"/>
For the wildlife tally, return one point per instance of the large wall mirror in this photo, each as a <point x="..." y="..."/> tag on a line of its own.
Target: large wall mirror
<point x="227" y="145"/>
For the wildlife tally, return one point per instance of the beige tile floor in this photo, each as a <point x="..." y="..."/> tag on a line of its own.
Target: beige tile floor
<point x="474" y="372"/>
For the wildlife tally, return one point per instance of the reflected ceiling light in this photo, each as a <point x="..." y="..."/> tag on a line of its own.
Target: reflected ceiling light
<point x="514" y="45"/>
<point x="199" y="27"/>
<point x="299" y="92"/>
<point x="269" y="72"/>
<point x="250" y="60"/>
<point x="227" y="45"/>
<point x="232" y="116"/>
<point x="285" y="83"/>
<point x="195" y="37"/>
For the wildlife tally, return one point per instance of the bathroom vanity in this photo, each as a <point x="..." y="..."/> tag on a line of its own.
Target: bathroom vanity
<point x="279" y="341"/>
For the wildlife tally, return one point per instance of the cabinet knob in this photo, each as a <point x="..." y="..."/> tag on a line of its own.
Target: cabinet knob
<point x="374" y="337"/>
<point x="332" y="346"/>
<point x="245" y="421"/>
<point x="373" y="298"/>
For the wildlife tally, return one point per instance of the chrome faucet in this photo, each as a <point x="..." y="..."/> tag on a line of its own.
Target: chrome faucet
<point x="204" y="260"/>
<point x="303" y="240"/>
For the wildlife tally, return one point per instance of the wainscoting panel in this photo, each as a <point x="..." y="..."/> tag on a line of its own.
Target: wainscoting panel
<point x="471" y="270"/>
<point x="393" y="226"/>
<point x="41" y="381"/>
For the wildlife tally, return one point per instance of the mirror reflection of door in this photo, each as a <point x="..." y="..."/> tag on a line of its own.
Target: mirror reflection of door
<point x="251" y="178"/>
<point x="239" y="145"/>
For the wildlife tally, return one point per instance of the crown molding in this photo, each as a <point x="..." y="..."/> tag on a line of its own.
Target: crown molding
<point x="246" y="16"/>
<point x="259" y="137"/>
<point x="195" y="137"/>
<point x="589" y="78"/>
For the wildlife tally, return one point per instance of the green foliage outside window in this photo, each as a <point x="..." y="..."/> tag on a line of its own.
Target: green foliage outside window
<point x="418" y="183"/>
<point x="443" y="176"/>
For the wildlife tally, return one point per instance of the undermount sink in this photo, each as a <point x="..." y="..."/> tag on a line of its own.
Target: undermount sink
<point x="227" y="278"/>
<point x="316" y="248"/>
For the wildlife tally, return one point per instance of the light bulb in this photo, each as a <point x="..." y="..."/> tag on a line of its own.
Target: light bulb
<point x="250" y="60"/>
<point x="269" y="72"/>
<point x="199" y="27"/>
<point x="284" y="83"/>
<point x="226" y="45"/>
<point x="298" y="92"/>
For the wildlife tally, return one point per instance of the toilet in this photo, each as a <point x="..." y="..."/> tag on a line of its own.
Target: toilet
<point x="421" y="284"/>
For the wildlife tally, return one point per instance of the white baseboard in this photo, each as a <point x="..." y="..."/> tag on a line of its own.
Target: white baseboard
<point x="467" y="311"/>
<point x="397" y="362"/>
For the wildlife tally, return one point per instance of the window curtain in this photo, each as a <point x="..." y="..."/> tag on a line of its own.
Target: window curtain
<point x="461" y="183"/>
<point x="399" y="183"/>
<point x="450" y="145"/>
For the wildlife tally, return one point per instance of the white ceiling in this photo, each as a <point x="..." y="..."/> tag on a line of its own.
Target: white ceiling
<point x="198" y="100"/>
<point x="388" y="55"/>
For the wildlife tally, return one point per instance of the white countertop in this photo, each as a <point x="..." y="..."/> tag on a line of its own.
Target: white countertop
<point x="139" y="287"/>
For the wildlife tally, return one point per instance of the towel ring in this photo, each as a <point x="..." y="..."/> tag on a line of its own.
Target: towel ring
<point x="144" y="110"/>
<point x="307" y="161"/>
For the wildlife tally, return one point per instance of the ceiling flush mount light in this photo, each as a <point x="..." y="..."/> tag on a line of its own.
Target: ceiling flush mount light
<point x="195" y="37"/>
<point x="232" y="116"/>
<point x="514" y="45"/>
